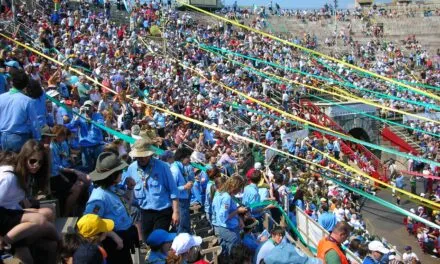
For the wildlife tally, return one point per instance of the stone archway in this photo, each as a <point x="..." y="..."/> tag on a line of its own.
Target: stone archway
<point x="360" y="133"/>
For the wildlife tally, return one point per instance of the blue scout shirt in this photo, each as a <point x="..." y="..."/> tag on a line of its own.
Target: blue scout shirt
<point x="199" y="189"/>
<point x="39" y="105"/>
<point x="89" y="134"/>
<point x="222" y="206"/>
<point x="250" y="196"/>
<point x="208" y="201"/>
<point x="182" y="175"/>
<point x="159" y="189"/>
<point x="156" y="257"/>
<point x="21" y="117"/>
<point x="251" y="242"/>
<point x="108" y="204"/>
<point x="58" y="155"/>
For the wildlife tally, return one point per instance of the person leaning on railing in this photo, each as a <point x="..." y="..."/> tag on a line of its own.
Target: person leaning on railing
<point x="329" y="248"/>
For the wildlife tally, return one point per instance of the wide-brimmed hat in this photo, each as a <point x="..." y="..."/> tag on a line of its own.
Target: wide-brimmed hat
<point x="141" y="148"/>
<point x="106" y="165"/>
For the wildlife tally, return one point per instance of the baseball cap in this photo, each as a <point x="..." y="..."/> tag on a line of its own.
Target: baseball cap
<point x="12" y="64"/>
<point x="88" y="102"/>
<point x="184" y="242"/>
<point x="378" y="246"/>
<point x="159" y="237"/>
<point x="88" y="254"/>
<point x="258" y="166"/>
<point x="90" y="225"/>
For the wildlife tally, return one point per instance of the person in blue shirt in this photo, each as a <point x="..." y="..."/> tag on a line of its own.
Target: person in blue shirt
<point x="213" y="174"/>
<point x="35" y="92"/>
<point x="199" y="188"/>
<point x="18" y="120"/>
<point x="107" y="202"/>
<point x="327" y="220"/>
<point x="250" y="239"/>
<point x="184" y="178"/>
<point x="159" y="242"/>
<point x="225" y="213"/>
<point x="91" y="139"/>
<point x="160" y="120"/>
<point x="3" y="82"/>
<point x="251" y="196"/>
<point x="377" y="251"/>
<point x="67" y="184"/>
<point x="155" y="191"/>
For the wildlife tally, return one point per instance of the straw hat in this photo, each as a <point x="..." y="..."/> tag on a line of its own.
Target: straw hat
<point x="141" y="148"/>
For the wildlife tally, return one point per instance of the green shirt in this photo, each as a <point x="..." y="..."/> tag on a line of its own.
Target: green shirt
<point x="332" y="257"/>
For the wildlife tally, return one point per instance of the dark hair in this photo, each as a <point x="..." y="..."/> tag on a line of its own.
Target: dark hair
<point x="218" y="182"/>
<point x="34" y="89"/>
<point x="19" y="78"/>
<point x="362" y="251"/>
<point x="70" y="244"/>
<point x="8" y="158"/>
<point x="182" y="153"/>
<point x="213" y="173"/>
<point x="354" y="244"/>
<point x="342" y="227"/>
<point x="278" y="230"/>
<point x="42" y="177"/>
<point x="240" y="254"/>
<point x="109" y="181"/>
<point x="324" y="207"/>
<point x="256" y="176"/>
<point x="194" y="255"/>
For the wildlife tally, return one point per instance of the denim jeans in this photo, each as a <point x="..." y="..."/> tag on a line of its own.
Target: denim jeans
<point x="184" y="223"/>
<point x="13" y="142"/>
<point x="228" y="238"/>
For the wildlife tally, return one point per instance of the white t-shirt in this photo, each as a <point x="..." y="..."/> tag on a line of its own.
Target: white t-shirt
<point x="408" y="257"/>
<point x="11" y="193"/>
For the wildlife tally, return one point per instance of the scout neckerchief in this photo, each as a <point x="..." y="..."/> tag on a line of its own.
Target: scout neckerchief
<point x="145" y="175"/>
<point x="14" y="90"/>
<point x="120" y="193"/>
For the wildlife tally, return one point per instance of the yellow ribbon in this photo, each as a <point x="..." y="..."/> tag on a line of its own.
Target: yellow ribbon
<point x="416" y="197"/>
<point x="347" y="95"/>
<point x="313" y="52"/>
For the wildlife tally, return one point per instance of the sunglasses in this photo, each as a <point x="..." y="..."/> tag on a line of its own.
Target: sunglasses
<point x="35" y="161"/>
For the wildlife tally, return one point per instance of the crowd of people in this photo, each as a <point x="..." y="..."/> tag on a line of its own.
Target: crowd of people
<point x="129" y="195"/>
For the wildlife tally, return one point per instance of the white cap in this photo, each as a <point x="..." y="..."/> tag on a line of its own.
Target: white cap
<point x="378" y="246"/>
<point x="257" y="165"/>
<point x="184" y="242"/>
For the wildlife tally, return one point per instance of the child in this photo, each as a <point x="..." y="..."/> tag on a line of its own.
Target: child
<point x="160" y="243"/>
<point x="94" y="230"/>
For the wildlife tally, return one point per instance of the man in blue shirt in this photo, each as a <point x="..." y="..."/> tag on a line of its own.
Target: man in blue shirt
<point x="327" y="220"/>
<point x="155" y="191"/>
<point x="184" y="178"/>
<point x="91" y="139"/>
<point x="18" y="120"/>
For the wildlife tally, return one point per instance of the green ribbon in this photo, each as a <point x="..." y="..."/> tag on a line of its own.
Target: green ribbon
<point x="345" y="83"/>
<point x="355" y="140"/>
<point x="342" y="106"/>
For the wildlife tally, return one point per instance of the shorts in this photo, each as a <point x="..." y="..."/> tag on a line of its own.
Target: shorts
<point x="9" y="219"/>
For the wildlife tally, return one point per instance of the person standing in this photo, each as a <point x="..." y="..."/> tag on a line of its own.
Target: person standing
<point x="155" y="191"/>
<point x="18" y="119"/>
<point x="107" y="202"/>
<point x="184" y="178"/>
<point x="327" y="220"/>
<point x="329" y="248"/>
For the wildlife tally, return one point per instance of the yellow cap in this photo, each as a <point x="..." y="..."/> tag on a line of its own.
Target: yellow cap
<point x="91" y="225"/>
